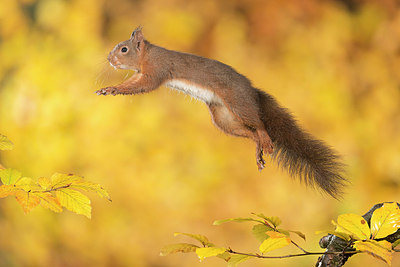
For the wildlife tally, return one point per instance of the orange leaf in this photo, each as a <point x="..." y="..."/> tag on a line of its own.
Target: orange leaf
<point x="7" y="190"/>
<point x="48" y="201"/>
<point x="27" y="200"/>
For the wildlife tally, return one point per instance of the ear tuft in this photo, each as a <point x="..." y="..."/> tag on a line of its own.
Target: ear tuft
<point x="137" y="33"/>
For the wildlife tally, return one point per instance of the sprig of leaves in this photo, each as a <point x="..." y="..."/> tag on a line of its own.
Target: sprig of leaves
<point x="54" y="193"/>
<point x="265" y="230"/>
<point x="351" y="227"/>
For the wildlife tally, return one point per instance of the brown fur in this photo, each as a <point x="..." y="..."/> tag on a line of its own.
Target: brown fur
<point x="236" y="107"/>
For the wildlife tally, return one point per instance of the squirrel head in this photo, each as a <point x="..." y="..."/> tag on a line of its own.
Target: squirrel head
<point x="128" y="54"/>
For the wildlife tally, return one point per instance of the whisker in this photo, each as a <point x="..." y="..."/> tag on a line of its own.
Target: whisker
<point x="103" y="74"/>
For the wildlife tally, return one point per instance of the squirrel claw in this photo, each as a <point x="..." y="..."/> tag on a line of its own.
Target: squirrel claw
<point x="260" y="163"/>
<point x="107" y="91"/>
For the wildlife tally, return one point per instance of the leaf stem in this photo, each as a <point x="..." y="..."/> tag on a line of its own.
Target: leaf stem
<point x="302" y="249"/>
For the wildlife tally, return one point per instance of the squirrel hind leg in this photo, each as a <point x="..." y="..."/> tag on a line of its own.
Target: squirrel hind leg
<point x="226" y="121"/>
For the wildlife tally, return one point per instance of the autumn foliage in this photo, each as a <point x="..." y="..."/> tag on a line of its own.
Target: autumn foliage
<point x="352" y="228"/>
<point x="54" y="193"/>
<point x="335" y="64"/>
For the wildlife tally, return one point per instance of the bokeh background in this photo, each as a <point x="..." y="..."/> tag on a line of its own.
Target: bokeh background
<point x="334" y="64"/>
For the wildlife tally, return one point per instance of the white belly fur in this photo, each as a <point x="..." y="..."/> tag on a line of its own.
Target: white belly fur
<point x="194" y="91"/>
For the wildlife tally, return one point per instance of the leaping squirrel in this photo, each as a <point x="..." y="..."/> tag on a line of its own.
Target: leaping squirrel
<point x="236" y="107"/>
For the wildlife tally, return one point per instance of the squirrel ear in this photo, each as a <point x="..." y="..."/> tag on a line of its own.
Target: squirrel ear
<point x="137" y="38"/>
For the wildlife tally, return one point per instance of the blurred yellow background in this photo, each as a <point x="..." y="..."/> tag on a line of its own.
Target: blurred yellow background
<point x="334" y="64"/>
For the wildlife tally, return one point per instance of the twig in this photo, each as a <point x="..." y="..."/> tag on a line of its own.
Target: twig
<point x="291" y="255"/>
<point x="52" y="189"/>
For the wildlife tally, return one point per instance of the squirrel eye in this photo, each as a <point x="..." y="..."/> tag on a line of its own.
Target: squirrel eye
<point x="124" y="49"/>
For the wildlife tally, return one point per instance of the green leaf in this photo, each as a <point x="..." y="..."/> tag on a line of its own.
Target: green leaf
<point x="283" y="231"/>
<point x="276" y="240"/>
<point x="236" y="259"/>
<point x="259" y="231"/>
<point x="75" y="201"/>
<point x="396" y="243"/>
<point x="219" y="222"/>
<point x="275" y="221"/>
<point x="9" y="176"/>
<point x="5" y="143"/>
<point x="226" y="256"/>
<point x="354" y="225"/>
<point x="201" y="238"/>
<point x="203" y="253"/>
<point x="180" y="247"/>
<point x="379" y="249"/>
<point x="385" y="220"/>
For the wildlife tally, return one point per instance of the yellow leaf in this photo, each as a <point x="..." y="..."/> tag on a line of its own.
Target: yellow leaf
<point x="45" y="183"/>
<point x="27" y="200"/>
<point x="91" y="187"/>
<point x="7" y="190"/>
<point x="181" y="247"/>
<point x="26" y="184"/>
<point x="379" y="249"/>
<point x="385" y="220"/>
<point x="201" y="238"/>
<point x="2" y="167"/>
<point x="219" y="222"/>
<point x="74" y="201"/>
<point x="48" y="201"/>
<point x="9" y="176"/>
<point x="236" y="259"/>
<point x="354" y="225"/>
<point x="341" y="235"/>
<point x="276" y="240"/>
<point x="203" y="253"/>
<point x="60" y="180"/>
<point x="5" y="143"/>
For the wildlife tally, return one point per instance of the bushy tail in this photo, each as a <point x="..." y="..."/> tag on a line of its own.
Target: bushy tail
<point x="298" y="152"/>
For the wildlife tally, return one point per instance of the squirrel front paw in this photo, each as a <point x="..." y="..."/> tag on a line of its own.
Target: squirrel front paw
<point x="107" y="91"/>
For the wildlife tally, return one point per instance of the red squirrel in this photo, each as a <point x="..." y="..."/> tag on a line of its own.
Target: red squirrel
<point x="236" y="107"/>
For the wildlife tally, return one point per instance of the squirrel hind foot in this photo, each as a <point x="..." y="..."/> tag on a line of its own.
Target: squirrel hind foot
<point x="259" y="159"/>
